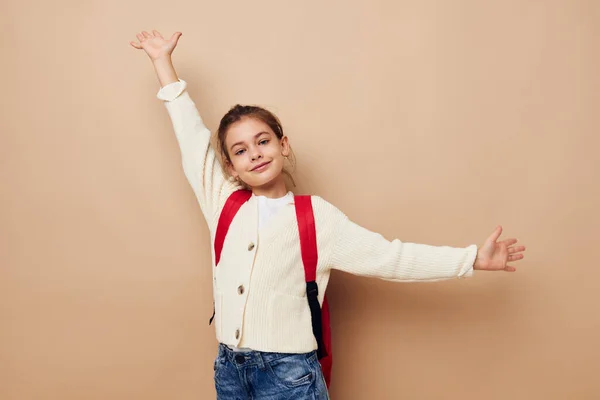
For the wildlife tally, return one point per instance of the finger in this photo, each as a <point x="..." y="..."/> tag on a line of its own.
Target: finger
<point x="140" y="37"/>
<point x="515" y="257"/>
<point x="137" y="46"/>
<point x="157" y="33"/>
<point x="146" y="34"/>
<point x="510" y="268"/>
<point x="510" y="242"/>
<point x="495" y="235"/>
<point x="175" y="37"/>
<point x="516" y="249"/>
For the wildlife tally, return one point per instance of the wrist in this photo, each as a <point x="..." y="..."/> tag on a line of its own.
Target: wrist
<point x="164" y="70"/>
<point x="162" y="59"/>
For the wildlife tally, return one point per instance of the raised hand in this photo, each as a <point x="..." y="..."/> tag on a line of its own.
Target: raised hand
<point x="155" y="45"/>
<point x="493" y="255"/>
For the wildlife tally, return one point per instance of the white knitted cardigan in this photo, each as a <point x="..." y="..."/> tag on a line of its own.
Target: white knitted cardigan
<point x="259" y="287"/>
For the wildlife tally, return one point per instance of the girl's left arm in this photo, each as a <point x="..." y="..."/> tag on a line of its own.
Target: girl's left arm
<point x="360" y="251"/>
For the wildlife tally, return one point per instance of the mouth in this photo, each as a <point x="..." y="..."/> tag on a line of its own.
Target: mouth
<point x="261" y="167"/>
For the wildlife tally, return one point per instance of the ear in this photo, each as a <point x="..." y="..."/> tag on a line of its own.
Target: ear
<point x="285" y="146"/>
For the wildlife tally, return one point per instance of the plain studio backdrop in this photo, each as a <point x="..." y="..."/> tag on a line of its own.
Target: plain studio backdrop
<point x="428" y="121"/>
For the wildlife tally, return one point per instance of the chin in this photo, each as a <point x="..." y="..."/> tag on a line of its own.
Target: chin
<point x="262" y="181"/>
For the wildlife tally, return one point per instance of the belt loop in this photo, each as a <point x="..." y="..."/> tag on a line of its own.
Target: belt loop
<point x="261" y="361"/>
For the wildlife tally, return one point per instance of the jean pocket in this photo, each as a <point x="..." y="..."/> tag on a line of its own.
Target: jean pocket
<point x="291" y="371"/>
<point x="217" y="366"/>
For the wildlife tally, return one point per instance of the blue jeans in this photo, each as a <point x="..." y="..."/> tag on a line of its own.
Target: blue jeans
<point x="261" y="375"/>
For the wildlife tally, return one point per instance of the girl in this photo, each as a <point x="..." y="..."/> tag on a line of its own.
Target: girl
<point x="267" y="349"/>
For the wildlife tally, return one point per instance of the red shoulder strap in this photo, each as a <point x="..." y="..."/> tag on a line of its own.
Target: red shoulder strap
<point x="232" y="205"/>
<point x="319" y="313"/>
<point x="308" y="236"/>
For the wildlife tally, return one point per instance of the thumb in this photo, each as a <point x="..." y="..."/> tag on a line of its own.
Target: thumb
<point x="495" y="235"/>
<point x="175" y="38"/>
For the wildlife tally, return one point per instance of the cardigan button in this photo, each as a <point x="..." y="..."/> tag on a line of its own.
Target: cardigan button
<point x="241" y="289"/>
<point x="237" y="333"/>
<point x="250" y="246"/>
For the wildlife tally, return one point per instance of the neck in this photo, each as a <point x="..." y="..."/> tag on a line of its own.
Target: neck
<point x="271" y="190"/>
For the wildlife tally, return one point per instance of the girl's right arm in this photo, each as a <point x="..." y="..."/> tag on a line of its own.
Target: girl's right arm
<point x="201" y="165"/>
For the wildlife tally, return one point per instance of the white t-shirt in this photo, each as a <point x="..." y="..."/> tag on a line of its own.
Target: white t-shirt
<point x="268" y="207"/>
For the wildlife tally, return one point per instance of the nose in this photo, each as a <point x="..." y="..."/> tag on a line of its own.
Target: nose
<point x="256" y="155"/>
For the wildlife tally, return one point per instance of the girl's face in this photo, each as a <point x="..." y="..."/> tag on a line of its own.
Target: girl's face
<point x="256" y="154"/>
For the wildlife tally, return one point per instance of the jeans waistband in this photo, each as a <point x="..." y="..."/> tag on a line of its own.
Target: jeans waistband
<point x="254" y="357"/>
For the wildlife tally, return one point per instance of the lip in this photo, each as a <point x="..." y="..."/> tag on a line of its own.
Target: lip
<point x="261" y="167"/>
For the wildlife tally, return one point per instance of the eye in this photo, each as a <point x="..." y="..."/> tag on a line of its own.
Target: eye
<point x="237" y="153"/>
<point x="265" y="141"/>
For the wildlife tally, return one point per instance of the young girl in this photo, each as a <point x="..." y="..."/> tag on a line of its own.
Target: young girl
<point x="267" y="348"/>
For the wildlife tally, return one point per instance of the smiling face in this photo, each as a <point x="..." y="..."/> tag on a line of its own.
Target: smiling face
<point x="256" y="154"/>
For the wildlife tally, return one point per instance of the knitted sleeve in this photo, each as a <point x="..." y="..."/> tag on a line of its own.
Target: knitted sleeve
<point x="359" y="251"/>
<point x="201" y="165"/>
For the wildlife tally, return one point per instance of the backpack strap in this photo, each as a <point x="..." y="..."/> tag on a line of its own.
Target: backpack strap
<point x="232" y="205"/>
<point x="308" y="246"/>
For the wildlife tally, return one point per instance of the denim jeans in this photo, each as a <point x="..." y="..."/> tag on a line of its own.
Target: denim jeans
<point x="261" y="375"/>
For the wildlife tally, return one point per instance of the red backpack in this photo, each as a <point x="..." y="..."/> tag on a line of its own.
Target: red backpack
<point x="308" y="246"/>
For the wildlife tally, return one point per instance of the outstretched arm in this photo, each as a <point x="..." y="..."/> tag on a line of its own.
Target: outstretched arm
<point x="362" y="252"/>
<point x="201" y="166"/>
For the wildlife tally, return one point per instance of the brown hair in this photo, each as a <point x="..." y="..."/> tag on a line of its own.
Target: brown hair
<point x="239" y="112"/>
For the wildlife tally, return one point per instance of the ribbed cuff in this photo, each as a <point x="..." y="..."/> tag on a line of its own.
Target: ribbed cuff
<point x="172" y="90"/>
<point x="467" y="269"/>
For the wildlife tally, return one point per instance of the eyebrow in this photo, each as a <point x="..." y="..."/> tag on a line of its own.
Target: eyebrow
<point x="255" y="136"/>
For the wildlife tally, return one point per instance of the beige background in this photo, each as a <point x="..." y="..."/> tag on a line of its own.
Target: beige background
<point x="430" y="121"/>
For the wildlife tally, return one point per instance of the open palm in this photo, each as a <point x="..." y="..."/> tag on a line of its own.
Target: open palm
<point x="155" y="45"/>
<point x="493" y="255"/>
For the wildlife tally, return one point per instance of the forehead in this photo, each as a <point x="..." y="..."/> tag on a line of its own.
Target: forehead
<point x="245" y="129"/>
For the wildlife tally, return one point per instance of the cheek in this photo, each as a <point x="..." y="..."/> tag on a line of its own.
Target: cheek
<point x="235" y="165"/>
<point x="275" y="150"/>
<point x="241" y="165"/>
